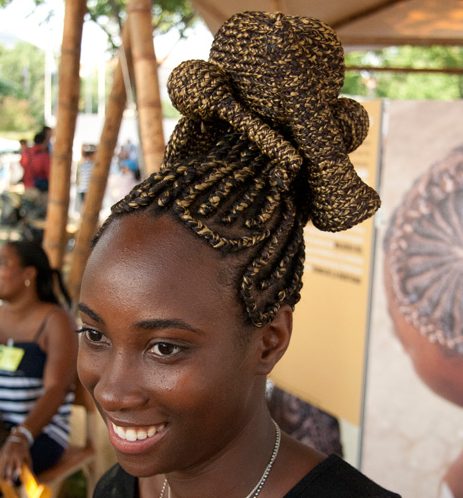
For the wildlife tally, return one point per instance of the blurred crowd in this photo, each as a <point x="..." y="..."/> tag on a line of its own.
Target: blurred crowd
<point x="25" y="182"/>
<point x="124" y="171"/>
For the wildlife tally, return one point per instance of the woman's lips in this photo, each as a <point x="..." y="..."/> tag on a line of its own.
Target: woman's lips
<point x="132" y="440"/>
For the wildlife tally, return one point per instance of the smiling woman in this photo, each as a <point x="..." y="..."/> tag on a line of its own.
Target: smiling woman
<point x="187" y="297"/>
<point x="37" y="360"/>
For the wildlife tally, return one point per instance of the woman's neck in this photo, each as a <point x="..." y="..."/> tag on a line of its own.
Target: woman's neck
<point x="23" y="303"/>
<point x="234" y="472"/>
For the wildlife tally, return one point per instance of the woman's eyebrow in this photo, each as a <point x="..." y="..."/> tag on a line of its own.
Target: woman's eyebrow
<point x="159" y="323"/>
<point x="88" y="311"/>
<point x="148" y="324"/>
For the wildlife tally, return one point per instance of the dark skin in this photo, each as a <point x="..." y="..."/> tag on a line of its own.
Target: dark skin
<point x="162" y="345"/>
<point x="21" y="313"/>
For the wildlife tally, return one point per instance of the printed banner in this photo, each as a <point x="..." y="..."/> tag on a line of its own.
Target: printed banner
<point x="325" y="362"/>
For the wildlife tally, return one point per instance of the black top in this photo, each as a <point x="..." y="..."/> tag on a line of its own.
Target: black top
<point x="332" y="478"/>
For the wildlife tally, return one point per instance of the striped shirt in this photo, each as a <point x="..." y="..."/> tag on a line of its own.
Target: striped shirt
<point x="20" y="390"/>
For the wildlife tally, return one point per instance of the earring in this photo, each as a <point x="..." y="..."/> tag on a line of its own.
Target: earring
<point x="27" y="282"/>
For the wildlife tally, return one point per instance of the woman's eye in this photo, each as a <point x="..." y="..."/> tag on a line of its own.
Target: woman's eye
<point x="165" y="349"/>
<point x="93" y="336"/>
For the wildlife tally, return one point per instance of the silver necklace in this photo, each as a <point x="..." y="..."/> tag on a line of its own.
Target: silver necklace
<point x="258" y="487"/>
<point x="164" y="486"/>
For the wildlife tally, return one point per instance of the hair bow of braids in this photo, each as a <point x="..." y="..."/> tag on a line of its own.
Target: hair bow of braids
<point x="262" y="148"/>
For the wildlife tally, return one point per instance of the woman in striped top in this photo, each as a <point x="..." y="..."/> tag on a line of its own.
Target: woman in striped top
<point x="37" y="360"/>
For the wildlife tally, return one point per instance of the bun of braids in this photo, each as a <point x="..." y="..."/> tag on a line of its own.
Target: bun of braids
<point x="261" y="149"/>
<point x="285" y="71"/>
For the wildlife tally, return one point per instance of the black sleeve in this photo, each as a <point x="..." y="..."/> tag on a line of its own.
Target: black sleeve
<point x="334" y="478"/>
<point x="116" y="483"/>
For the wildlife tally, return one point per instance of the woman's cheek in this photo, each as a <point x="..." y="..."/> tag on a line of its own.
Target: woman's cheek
<point x="89" y="367"/>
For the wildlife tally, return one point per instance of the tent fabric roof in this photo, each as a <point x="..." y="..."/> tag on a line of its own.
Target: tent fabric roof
<point x="360" y="23"/>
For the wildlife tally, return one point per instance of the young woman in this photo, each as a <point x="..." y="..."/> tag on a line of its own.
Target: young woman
<point x="187" y="297"/>
<point x="37" y="361"/>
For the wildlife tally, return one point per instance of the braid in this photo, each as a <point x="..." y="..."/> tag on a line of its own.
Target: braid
<point x="261" y="149"/>
<point x="423" y="247"/>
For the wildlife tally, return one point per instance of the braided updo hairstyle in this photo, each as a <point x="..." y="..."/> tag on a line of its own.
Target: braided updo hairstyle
<point x="261" y="149"/>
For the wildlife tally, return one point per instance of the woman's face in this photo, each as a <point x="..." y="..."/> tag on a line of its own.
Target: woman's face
<point x="160" y="350"/>
<point x="12" y="273"/>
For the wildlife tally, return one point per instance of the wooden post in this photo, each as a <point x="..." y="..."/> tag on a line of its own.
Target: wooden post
<point x="94" y="199"/>
<point x="68" y="102"/>
<point x="146" y="83"/>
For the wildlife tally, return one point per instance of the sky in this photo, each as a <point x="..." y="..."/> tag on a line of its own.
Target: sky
<point x="22" y="20"/>
<point x="27" y="22"/>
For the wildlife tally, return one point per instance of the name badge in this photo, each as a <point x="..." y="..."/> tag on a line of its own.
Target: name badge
<point x="10" y="358"/>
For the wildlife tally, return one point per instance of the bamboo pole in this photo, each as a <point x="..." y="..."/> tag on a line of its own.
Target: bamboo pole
<point x="94" y="199"/>
<point x="148" y="96"/>
<point x="68" y="102"/>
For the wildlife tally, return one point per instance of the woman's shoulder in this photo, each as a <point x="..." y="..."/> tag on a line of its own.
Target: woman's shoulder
<point x="37" y="318"/>
<point x="55" y="327"/>
<point x="116" y="483"/>
<point x="52" y="312"/>
<point x="335" y="478"/>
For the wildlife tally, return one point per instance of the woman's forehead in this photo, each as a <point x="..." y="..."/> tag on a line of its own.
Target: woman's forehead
<point x="153" y="251"/>
<point x="155" y="264"/>
<point x="146" y="237"/>
<point x="8" y="251"/>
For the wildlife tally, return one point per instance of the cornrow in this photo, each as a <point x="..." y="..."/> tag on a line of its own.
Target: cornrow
<point x="261" y="149"/>
<point x="423" y="247"/>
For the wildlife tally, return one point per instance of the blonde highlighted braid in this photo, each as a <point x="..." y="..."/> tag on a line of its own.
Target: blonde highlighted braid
<point x="261" y="149"/>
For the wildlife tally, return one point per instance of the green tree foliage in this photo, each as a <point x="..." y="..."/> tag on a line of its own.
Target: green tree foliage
<point x="4" y="3"/>
<point x="167" y="14"/>
<point x="22" y="68"/>
<point x="21" y="87"/>
<point x="110" y="14"/>
<point x="406" y="85"/>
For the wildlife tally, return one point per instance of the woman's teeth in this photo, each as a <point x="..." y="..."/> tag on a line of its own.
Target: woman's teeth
<point x="135" y="434"/>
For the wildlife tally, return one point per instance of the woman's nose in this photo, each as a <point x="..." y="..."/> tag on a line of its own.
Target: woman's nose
<point x="120" y="385"/>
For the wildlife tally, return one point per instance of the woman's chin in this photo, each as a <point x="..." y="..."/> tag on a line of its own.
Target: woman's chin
<point x="138" y="467"/>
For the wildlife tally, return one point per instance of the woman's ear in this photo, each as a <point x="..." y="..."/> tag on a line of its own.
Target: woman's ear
<point x="274" y="340"/>
<point x="30" y="272"/>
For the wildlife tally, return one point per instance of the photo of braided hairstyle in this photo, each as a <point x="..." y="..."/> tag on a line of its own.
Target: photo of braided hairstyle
<point x="423" y="253"/>
<point x="261" y="149"/>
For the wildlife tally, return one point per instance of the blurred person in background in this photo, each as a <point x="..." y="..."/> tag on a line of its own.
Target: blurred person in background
<point x="40" y="162"/>
<point x="37" y="364"/>
<point x="84" y="170"/>
<point x="128" y="161"/>
<point x="24" y="161"/>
